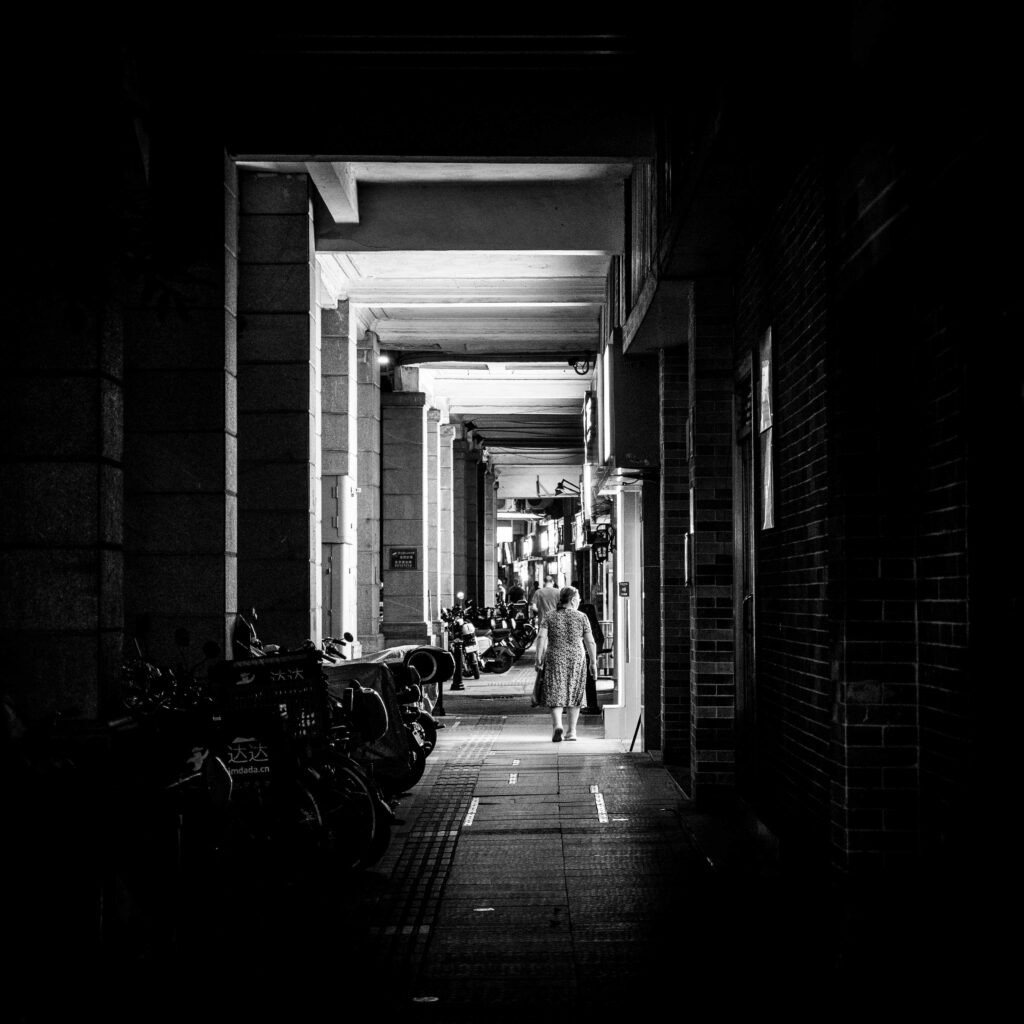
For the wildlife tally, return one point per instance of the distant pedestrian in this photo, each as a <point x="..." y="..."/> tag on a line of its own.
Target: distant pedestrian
<point x="565" y="650"/>
<point x="516" y="594"/>
<point x="544" y="600"/>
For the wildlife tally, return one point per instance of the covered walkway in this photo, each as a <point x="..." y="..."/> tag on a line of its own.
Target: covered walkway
<point x="529" y="877"/>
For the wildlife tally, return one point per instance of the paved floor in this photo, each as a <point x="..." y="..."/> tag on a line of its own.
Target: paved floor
<point x="526" y="877"/>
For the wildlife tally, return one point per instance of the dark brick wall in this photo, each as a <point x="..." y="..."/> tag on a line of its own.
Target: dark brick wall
<point x="712" y="679"/>
<point x="872" y="584"/>
<point x="946" y="704"/>
<point x="782" y="285"/>
<point x="674" y="403"/>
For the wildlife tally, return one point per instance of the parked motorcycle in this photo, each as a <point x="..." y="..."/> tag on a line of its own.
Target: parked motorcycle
<point x="463" y="643"/>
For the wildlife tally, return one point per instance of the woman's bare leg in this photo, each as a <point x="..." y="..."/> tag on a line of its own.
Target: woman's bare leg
<point x="556" y="722"/>
<point x="574" y="714"/>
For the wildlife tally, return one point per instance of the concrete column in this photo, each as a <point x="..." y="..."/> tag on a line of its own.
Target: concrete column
<point x="712" y="663"/>
<point x="433" y="521"/>
<point x="61" y="477"/>
<point x="404" y="517"/>
<point x="474" y="533"/>
<point x="368" y="524"/>
<point x="446" y="524"/>
<point x="460" y="447"/>
<point x="181" y="464"/>
<point x="278" y="408"/>
<point x="338" y="481"/>
<point x="490" y="522"/>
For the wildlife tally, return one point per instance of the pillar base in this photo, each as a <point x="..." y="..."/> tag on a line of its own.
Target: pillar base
<point x="371" y="643"/>
<point x="398" y="633"/>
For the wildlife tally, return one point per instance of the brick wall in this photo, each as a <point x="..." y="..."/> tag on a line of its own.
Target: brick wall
<point x="946" y="704"/>
<point x="674" y="403"/>
<point x="712" y="678"/>
<point x="782" y="285"/>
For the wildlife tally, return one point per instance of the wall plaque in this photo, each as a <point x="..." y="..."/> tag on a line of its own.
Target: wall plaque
<point x="402" y="558"/>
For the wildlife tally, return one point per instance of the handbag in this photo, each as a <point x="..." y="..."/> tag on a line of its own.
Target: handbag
<point x="538" y="686"/>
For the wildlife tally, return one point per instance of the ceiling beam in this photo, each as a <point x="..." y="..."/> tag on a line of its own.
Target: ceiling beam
<point x="516" y="216"/>
<point x="482" y="291"/>
<point x="336" y="184"/>
<point x="555" y="354"/>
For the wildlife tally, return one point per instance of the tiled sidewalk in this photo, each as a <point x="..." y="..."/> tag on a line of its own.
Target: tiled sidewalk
<point x="560" y="875"/>
<point x="530" y="879"/>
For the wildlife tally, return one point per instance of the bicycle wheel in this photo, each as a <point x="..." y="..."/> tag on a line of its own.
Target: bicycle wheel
<point x="348" y="805"/>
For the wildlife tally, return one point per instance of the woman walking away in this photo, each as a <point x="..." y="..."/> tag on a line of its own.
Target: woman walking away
<point x="565" y="648"/>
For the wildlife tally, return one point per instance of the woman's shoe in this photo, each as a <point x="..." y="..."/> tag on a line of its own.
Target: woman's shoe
<point x="557" y="738"/>
<point x="570" y="735"/>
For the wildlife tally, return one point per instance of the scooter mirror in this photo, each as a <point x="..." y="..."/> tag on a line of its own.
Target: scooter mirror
<point x="347" y="636"/>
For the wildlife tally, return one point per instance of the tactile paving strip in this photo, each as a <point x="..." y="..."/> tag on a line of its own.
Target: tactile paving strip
<point x="401" y="918"/>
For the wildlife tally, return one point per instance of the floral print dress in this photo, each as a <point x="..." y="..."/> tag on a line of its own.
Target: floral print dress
<point x="565" y="660"/>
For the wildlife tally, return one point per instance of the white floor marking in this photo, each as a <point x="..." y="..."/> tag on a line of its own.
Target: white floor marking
<point x="602" y="814"/>
<point x="513" y="778"/>
<point x="472" y="811"/>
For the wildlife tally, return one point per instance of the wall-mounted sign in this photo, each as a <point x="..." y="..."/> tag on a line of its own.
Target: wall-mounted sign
<point x="402" y="558"/>
<point x="589" y="403"/>
<point x="624" y="589"/>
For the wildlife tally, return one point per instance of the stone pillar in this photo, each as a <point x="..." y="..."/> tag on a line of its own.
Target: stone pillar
<point x="474" y="563"/>
<point x="404" y="517"/>
<point x="338" y="480"/>
<point x="460" y="448"/>
<point x="368" y="524"/>
<point x="446" y="523"/>
<point x="181" y="462"/>
<point x="61" y="477"/>
<point x="490" y="522"/>
<point x="712" y="675"/>
<point x="278" y="408"/>
<point x="433" y="521"/>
